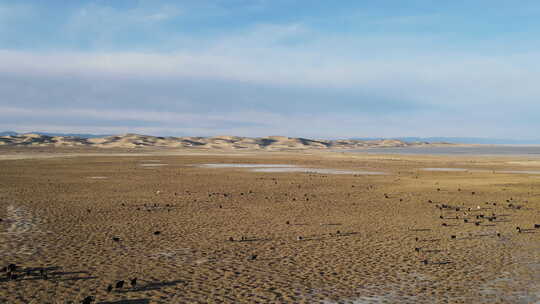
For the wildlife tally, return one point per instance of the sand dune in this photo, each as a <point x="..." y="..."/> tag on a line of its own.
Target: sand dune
<point x="206" y="143"/>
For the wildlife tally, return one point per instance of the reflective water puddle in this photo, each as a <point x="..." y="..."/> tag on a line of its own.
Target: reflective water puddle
<point x="316" y="170"/>
<point x="152" y="165"/>
<point x="283" y="168"/>
<point x="446" y="169"/>
<point x="246" y="166"/>
<point x="480" y="170"/>
<point x="519" y="172"/>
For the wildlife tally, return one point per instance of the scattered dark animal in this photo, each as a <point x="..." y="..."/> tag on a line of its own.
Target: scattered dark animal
<point x="288" y="223"/>
<point x="109" y="288"/>
<point x="88" y="300"/>
<point x="438" y="189"/>
<point x="338" y="232"/>
<point x="417" y="249"/>
<point x="119" y="284"/>
<point x="477" y="223"/>
<point x="253" y="257"/>
<point x="231" y="239"/>
<point x="444" y="224"/>
<point x="416" y="239"/>
<point x="498" y="234"/>
<point x="133" y="282"/>
<point x="12" y="267"/>
<point x="465" y="220"/>
<point x="473" y="193"/>
<point x="157" y="232"/>
<point x="43" y="274"/>
<point x="536" y="226"/>
<point x="425" y="262"/>
<point x="300" y="238"/>
<point x="116" y="239"/>
<point x="453" y="236"/>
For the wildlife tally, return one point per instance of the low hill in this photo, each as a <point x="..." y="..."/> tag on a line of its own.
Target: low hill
<point x="207" y="143"/>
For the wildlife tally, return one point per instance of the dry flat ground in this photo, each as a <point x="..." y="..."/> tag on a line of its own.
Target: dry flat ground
<point x="297" y="237"/>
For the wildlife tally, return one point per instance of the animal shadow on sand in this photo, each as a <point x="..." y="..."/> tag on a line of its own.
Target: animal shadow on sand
<point x="152" y="286"/>
<point x="53" y="273"/>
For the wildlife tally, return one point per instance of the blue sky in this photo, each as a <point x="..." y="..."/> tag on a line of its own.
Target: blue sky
<point x="311" y="68"/>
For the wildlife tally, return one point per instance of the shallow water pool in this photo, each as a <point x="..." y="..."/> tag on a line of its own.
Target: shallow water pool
<point x="317" y="170"/>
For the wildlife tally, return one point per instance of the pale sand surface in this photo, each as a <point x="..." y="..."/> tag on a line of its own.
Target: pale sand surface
<point x="56" y="216"/>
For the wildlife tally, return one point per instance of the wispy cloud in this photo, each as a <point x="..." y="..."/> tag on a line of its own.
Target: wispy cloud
<point x="259" y="68"/>
<point x="454" y="79"/>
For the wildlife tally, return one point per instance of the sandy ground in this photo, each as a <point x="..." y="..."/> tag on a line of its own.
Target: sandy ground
<point x="296" y="237"/>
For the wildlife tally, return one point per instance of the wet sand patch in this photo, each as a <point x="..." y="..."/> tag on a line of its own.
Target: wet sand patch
<point x="22" y="225"/>
<point x="152" y="165"/>
<point x="446" y="169"/>
<point x="218" y="166"/>
<point x="317" y="170"/>
<point x="481" y="170"/>
<point x="284" y="168"/>
<point x="519" y="171"/>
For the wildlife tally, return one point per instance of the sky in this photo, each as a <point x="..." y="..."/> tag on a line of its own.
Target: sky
<point x="300" y="68"/>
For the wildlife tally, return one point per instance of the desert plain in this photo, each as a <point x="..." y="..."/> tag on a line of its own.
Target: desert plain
<point x="387" y="229"/>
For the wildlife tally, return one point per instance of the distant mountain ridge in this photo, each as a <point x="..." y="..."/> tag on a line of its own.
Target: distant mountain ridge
<point x="8" y="133"/>
<point x="462" y="140"/>
<point x="426" y="140"/>
<point x="207" y="143"/>
<point x="82" y="135"/>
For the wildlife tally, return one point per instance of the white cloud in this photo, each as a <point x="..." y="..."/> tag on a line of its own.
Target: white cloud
<point x="275" y="57"/>
<point x="252" y="123"/>
<point x="431" y="80"/>
<point x="168" y="117"/>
